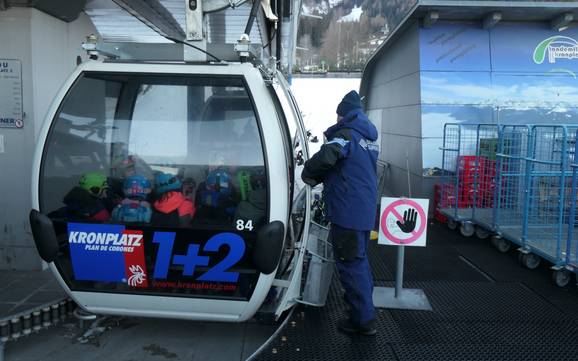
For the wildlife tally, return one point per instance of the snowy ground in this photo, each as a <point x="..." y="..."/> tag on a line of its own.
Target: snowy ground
<point x="317" y="99"/>
<point x="354" y="16"/>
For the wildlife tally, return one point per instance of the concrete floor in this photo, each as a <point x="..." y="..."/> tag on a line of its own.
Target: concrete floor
<point x="23" y="291"/>
<point x="117" y="338"/>
<point x="139" y="339"/>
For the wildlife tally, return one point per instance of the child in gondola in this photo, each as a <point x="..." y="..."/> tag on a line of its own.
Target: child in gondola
<point x="87" y="200"/>
<point x="134" y="207"/>
<point x="172" y="208"/>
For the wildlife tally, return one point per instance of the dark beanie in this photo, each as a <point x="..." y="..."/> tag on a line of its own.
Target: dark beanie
<point x="350" y="101"/>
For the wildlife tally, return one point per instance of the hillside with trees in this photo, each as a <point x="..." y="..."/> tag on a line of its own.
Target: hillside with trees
<point x="342" y="34"/>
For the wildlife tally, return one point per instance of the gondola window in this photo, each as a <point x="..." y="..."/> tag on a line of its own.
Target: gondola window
<point x="163" y="168"/>
<point x="174" y="151"/>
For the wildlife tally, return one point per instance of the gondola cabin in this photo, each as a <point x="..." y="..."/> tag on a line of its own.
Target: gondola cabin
<point x="171" y="190"/>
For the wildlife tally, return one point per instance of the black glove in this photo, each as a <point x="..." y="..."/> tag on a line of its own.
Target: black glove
<point x="310" y="181"/>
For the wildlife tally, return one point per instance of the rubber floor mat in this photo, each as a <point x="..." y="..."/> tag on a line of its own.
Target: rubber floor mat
<point x="476" y="314"/>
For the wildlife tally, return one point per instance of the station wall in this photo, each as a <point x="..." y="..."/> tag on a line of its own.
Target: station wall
<point x="47" y="49"/>
<point x="458" y="72"/>
<point x="393" y="105"/>
<point x="513" y="73"/>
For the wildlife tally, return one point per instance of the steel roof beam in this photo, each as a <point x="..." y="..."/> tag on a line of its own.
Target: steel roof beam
<point x="561" y="22"/>
<point x="430" y="18"/>
<point x="153" y="14"/>
<point x="491" y="20"/>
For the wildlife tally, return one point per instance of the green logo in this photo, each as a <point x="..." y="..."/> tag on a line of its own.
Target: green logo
<point x="556" y="47"/>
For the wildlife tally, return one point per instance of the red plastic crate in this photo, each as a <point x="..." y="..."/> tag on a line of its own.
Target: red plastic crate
<point x="437" y="203"/>
<point x="487" y="183"/>
<point x="468" y="166"/>
<point x="439" y="216"/>
<point x="448" y="197"/>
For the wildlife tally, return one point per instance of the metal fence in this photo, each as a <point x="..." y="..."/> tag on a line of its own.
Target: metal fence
<point x="508" y="217"/>
<point x="458" y="145"/>
<point x="572" y="239"/>
<point x="468" y="167"/>
<point x="549" y="191"/>
<point x="487" y="146"/>
<point x="517" y="182"/>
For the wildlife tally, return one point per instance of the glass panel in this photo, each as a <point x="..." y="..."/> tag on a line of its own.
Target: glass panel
<point x="199" y="140"/>
<point x="454" y="47"/>
<point x="168" y="124"/>
<point x="296" y="157"/>
<point x="456" y="88"/>
<point x="145" y="153"/>
<point x="433" y="119"/>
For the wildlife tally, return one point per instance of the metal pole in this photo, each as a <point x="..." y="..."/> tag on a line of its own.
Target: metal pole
<point x="399" y="272"/>
<point x="401" y="249"/>
<point x="278" y="33"/>
<point x="253" y="14"/>
<point x="408" y="178"/>
<point x="1" y="351"/>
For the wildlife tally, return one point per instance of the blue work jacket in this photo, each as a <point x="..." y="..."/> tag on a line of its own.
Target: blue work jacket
<point x="347" y="166"/>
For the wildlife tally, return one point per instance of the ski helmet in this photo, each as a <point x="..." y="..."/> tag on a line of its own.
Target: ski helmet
<point x="219" y="180"/>
<point x="94" y="182"/>
<point x="136" y="186"/>
<point x="167" y="182"/>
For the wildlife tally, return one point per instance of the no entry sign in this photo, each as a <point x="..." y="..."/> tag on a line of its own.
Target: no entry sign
<point x="403" y="222"/>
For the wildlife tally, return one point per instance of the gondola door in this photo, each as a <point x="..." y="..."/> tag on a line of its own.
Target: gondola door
<point x="290" y="274"/>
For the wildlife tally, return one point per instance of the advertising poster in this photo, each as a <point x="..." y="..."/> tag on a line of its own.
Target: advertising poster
<point x="454" y="47"/>
<point x="11" y="113"/>
<point x="534" y="48"/>
<point x="186" y="262"/>
<point x="514" y="73"/>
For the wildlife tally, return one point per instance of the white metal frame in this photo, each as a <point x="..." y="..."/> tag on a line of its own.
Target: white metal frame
<point x="293" y="292"/>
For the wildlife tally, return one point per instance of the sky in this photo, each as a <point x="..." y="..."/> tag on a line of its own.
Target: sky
<point x="317" y="99"/>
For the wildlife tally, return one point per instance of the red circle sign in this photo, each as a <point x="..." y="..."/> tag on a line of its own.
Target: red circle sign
<point x="391" y="209"/>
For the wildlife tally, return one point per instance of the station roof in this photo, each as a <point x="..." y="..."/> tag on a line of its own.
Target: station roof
<point x="511" y="10"/>
<point x="555" y="13"/>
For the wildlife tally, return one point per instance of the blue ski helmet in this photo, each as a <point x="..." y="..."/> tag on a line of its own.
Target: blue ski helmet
<point x="137" y="186"/>
<point x="167" y="182"/>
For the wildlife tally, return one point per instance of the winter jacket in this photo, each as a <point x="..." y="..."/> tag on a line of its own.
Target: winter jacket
<point x="173" y="210"/>
<point x="254" y="208"/>
<point x="132" y="210"/>
<point x="347" y="166"/>
<point x="80" y="204"/>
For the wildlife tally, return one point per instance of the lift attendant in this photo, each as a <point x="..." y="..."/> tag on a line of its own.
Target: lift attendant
<point x="346" y="165"/>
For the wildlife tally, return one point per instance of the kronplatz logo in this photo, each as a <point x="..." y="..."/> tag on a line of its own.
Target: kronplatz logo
<point x="556" y="47"/>
<point x="108" y="253"/>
